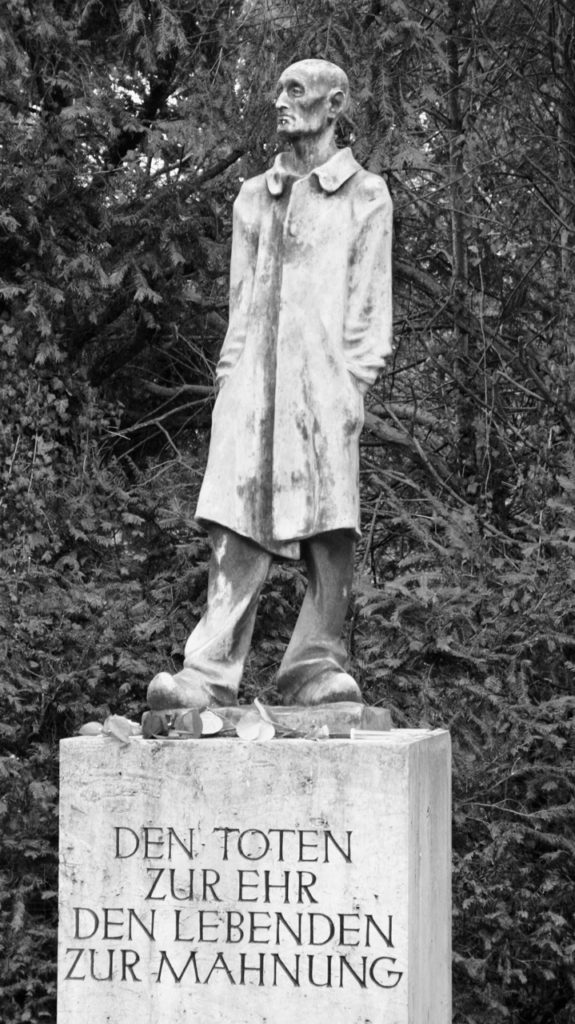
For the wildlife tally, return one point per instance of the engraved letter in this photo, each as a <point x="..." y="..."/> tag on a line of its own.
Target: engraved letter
<point x="130" y="843"/>
<point x="398" y="975"/>
<point x="159" y="873"/>
<point x="93" y="924"/>
<point x="164" y="959"/>
<point x="70" y="976"/>
<point x="227" y="832"/>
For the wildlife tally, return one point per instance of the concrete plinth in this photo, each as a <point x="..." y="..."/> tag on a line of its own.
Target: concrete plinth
<point x="223" y="882"/>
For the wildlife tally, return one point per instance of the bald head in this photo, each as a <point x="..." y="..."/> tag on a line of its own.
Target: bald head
<point x="323" y="74"/>
<point x="311" y="95"/>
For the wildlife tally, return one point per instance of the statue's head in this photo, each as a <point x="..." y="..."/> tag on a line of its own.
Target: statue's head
<point x="311" y="95"/>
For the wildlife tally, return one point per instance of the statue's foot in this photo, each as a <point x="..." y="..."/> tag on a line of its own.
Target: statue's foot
<point x="186" y="690"/>
<point x="330" y="688"/>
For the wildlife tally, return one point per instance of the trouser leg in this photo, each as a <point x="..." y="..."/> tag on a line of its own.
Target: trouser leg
<point x="313" y="667"/>
<point x="218" y="646"/>
<point x="216" y="650"/>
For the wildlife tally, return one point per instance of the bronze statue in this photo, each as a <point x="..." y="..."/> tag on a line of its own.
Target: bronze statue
<point x="309" y="329"/>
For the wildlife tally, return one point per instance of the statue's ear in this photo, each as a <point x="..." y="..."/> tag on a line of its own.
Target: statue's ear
<point x="337" y="102"/>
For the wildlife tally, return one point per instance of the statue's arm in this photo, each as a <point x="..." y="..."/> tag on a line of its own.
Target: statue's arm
<point x="242" y="270"/>
<point x="367" y="336"/>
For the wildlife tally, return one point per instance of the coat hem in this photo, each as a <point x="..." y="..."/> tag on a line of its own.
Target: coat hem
<point x="285" y="548"/>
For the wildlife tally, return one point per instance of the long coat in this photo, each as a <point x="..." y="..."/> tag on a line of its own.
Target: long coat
<point x="309" y="329"/>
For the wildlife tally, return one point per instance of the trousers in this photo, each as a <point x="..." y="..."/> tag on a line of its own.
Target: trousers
<point x="218" y="647"/>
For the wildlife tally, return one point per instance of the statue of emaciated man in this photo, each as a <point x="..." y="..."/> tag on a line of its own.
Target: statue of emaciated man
<point x="309" y="330"/>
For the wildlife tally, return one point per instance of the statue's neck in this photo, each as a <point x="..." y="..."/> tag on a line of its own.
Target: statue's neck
<point x="310" y="151"/>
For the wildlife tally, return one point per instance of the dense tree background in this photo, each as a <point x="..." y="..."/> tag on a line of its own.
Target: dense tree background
<point x="125" y="129"/>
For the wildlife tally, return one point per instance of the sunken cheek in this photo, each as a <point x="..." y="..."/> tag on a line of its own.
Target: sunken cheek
<point x="308" y="106"/>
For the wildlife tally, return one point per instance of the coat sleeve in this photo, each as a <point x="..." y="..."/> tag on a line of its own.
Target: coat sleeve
<point x="242" y="271"/>
<point x="367" y="337"/>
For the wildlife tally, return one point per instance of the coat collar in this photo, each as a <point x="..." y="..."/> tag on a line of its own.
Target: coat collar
<point x="331" y="175"/>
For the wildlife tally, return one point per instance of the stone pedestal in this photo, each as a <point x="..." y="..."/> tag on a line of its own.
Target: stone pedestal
<point x="223" y="882"/>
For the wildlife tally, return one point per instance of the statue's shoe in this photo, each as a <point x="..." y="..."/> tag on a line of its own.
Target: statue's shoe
<point x="187" y="690"/>
<point x="328" y="689"/>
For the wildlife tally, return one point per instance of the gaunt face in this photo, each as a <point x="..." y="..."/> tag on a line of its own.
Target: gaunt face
<point x="306" y="100"/>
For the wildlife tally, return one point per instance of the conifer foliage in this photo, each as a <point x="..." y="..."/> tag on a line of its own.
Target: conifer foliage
<point x="125" y="130"/>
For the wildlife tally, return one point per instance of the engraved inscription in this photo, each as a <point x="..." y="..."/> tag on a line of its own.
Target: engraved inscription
<point x="242" y="906"/>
